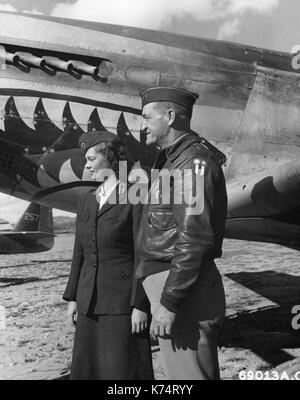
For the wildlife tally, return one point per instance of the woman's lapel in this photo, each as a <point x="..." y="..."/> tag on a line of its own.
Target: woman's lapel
<point x="114" y="198"/>
<point x="93" y="206"/>
<point x="110" y="202"/>
<point x="106" y="207"/>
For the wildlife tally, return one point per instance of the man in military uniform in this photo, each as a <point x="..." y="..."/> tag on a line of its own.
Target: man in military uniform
<point x="176" y="247"/>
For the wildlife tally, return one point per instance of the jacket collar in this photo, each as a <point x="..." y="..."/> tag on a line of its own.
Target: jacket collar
<point x="172" y="152"/>
<point x="180" y="144"/>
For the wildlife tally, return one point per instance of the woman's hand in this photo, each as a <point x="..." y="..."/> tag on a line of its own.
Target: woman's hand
<point x="72" y="312"/>
<point x="139" y="321"/>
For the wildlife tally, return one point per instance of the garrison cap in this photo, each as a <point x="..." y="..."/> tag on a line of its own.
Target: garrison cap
<point x="92" y="138"/>
<point x="175" y="95"/>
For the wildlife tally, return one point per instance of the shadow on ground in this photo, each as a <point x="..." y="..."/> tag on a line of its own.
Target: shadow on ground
<point x="265" y="331"/>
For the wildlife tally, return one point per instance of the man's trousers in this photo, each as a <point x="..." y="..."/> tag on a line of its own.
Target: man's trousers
<point x="191" y="351"/>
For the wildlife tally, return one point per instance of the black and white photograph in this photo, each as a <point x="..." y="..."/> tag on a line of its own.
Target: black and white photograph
<point x="149" y="192"/>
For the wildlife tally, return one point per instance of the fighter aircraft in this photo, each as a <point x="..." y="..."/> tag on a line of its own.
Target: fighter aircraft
<point x="61" y="77"/>
<point x="33" y="232"/>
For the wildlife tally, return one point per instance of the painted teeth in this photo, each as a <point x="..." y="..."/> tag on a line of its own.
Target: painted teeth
<point x="54" y="110"/>
<point x="109" y="119"/>
<point x="25" y="109"/>
<point x="40" y="124"/>
<point x="3" y="101"/>
<point x="61" y="113"/>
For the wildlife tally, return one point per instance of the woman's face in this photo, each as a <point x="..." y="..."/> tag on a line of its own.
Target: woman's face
<point x="95" y="163"/>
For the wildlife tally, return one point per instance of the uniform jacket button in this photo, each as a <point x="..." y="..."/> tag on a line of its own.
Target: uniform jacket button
<point x="95" y="265"/>
<point x="123" y="274"/>
<point x="93" y="239"/>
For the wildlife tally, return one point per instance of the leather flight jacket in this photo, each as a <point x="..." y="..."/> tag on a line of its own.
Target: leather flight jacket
<point x="171" y="235"/>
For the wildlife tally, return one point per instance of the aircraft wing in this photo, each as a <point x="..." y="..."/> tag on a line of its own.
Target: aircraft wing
<point x="264" y="230"/>
<point x="265" y="207"/>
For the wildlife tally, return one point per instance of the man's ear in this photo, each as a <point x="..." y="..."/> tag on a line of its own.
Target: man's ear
<point x="172" y="116"/>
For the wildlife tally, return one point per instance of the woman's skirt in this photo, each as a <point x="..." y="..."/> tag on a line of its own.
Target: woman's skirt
<point x="105" y="349"/>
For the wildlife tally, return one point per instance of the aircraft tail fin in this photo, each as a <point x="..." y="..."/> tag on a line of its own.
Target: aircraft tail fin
<point x="36" y="218"/>
<point x="33" y="232"/>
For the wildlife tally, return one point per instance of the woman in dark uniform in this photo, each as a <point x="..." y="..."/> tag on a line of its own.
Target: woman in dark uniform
<point x="109" y="308"/>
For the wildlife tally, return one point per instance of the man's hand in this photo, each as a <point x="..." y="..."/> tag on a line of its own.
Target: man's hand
<point x="72" y="312"/>
<point x="139" y="321"/>
<point x="162" y="322"/>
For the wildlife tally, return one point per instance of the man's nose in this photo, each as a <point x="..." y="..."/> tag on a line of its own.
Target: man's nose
<point x="143" y="125"/>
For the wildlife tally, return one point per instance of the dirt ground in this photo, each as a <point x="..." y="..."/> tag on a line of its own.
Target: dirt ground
<point x="262" y="284"/>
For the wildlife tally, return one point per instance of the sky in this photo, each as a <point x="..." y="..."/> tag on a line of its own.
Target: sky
<point x="272" y="24"/>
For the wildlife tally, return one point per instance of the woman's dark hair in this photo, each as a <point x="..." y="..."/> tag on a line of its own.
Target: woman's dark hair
<point x="115" y="152"/>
